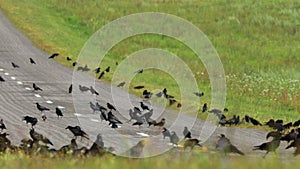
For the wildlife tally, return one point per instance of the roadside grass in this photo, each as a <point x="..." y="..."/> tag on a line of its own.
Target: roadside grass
<point x="201" y="160"/>
<point x="258" y="43"/>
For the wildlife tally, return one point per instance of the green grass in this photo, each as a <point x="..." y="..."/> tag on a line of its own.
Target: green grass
<point x="258" y="43"/>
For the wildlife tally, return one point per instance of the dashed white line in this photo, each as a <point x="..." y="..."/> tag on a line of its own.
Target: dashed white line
<point x="1" y="70"/>
<point x="13" y="78"/>
<point x="37" y="95"/>
<point x="49" y="102"/>
<point x="143" y="134"/>
<point x="77" y="114"/>
<point x="60" y="107"/>
<point x="6" y="74"/>
<point x="19" y="82"/>
<point x="95" y="120"/>
<point x="27" y="88"/>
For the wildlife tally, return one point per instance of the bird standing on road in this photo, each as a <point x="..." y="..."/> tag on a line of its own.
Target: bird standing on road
<point x="270" y="146"/>
<point x="71" y="88"/>
<point x="1" y="79"/>
<point x="32" y="120"/>
<point x="76" y="130"/>
<point x="14" y="65"/>
<point x="36" y="137"/>
<point x="58" y="112"/>
<point x="2" y="125"/>
<point x="110" y="107"/>
<point x="93" y="91"/>
<point x="32" y="61"/>
<point x="174" y="139"/>
<point x="36" y="87"/>
<point x="121" y="84"/>
<point x="113" y="120"/>
<point x="187" y="133"/>
<point x="41" y="108"/>
<point x="224" y="146"/>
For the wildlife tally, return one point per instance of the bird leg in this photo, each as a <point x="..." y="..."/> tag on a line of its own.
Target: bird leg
<point x="266" y="154"/>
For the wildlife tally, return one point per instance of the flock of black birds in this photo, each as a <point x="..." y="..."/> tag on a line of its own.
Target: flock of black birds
<point x="140" y="115"/>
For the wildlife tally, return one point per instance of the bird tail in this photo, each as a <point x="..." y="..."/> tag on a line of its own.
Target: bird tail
<point x="256" y="148"/>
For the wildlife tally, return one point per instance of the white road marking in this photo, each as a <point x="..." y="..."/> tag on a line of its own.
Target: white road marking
<point x="20" y="83"/>
<point x="95" y="120"/>
<point x="1" y="70"/>
<point x="6" y="74"/>
<point x="77" y="114"/>
<point x="60" y="107"/>
<point x="27" y="88"/>
<point x="13" y="78"/>
<point x="143" y="134"/>
<point x="49" y="102"/>
<point x="37" y="95"/>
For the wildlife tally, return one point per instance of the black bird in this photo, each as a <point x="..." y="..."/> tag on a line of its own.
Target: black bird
<point x="255" y="122"/>
<point x="113" y="119"/>
<point x="32" y="120"/>
<point x="71" y="88"/>
<point x="144" y="107"/>
<point x="287" y="125"/>
<point x="101" y="108"/>
<point x="289" y="136"/>
<point x="101" y="75"/>
<point x="187" y="133"/>
<point x="165" y="92"/>
<point x="36" y="87"/>
<point x="191" y="143"/>
<point x="53" y="55"/>
<point x="138" y="123"/>
<point x="147" y="95"/>
<point x="138" y="87"/>
<point x="74" y="64"/>
<point x="159" y="124"/>
<point x="174" y="139"/>
<point x="110" y="107"/>
<point x="83" y="88"/>
<point x="77" y="131"/>
<point x="41" y="108"/>
<point x="139" y="71"/>
<point x="204" y="108"/>
<point x="2" y="125"/>
<point x="32" y="61"/>
<point x="14" y="65"/>
<point x="68" y="58"/>
<point x="179" y="105"/>
<point x="270" y="146"/>
<point x="93" y="107"/>
<point x="36" y="137"/>
<point x="103" y="116"/>
<point x="93" y="91"/>
<point x="97" y="70"/>
<point x="296" y="123"/>
<point x="166" y="133"/>
<point x="121" y="84"/>
<point x="199" y="94"/>
<point x="171" y="102"/>
<point x="224" y="146"/>
<point x="247" y="118"/>
<point x="58" y="112"/>
<point x="1" y="79"/>
<point x="107" y="69"/>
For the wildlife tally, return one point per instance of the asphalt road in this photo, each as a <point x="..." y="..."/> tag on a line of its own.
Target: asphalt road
<point x="17" y="100"/>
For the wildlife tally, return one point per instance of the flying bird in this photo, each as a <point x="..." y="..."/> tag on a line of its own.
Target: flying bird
<point x="32" y="61"/>
<point x="53" y="55"/>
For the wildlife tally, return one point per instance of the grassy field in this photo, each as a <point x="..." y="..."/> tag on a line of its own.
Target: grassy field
<point x="257" y="41"/>
<point x="196" y="161"/>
